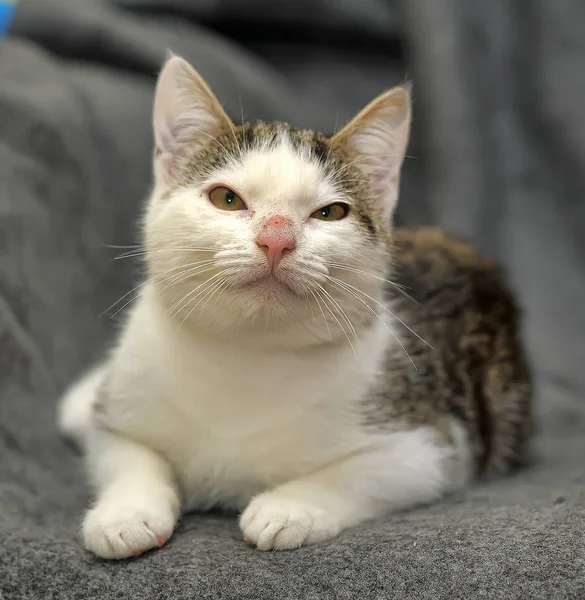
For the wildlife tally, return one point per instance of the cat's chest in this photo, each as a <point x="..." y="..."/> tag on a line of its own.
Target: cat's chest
<point x="225" y="457"/>
<point x="234" y="421"/>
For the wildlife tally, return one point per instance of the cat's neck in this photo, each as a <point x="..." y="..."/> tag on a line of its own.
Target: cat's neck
<point x="294" y="335"/>
<point x="284" y="337"/>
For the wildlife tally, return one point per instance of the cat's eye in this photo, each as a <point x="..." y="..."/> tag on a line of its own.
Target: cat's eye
<point x="332" y="212"/>
<point x="226" y="199"/>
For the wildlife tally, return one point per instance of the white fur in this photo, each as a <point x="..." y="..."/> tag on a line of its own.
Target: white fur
<point x="76" y="406"/>
<point x="232" y="387"/>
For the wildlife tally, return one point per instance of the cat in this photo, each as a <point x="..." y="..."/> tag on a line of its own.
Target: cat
<point x="268" y="365"/>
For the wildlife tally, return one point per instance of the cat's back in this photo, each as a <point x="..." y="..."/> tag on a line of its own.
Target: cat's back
<point x="473" y="364"/>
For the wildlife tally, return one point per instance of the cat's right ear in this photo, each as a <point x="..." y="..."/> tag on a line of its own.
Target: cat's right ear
<point x="186" y="114"/>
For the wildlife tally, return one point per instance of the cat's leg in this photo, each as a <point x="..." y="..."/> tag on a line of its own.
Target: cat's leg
<point x="137" y="503"/>
<point x="403" y="470"/>
<point x="77" y="404"/>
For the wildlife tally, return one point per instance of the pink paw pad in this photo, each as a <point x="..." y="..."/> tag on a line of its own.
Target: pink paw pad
<point x="161" y="540"/>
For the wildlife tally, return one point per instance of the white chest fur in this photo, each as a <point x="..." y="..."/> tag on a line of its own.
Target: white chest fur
<point x="236" y="418"/>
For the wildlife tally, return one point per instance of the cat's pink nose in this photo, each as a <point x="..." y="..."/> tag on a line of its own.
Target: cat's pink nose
<point x="276" y="238"/>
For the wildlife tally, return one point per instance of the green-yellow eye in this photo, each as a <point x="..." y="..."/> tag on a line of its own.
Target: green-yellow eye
<point x="332" y="212"/>
<point x="226" y="199"/>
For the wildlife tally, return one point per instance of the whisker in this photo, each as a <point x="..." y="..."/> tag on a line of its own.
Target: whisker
<point x="174" y="249"/>
<point x="242" y="120"/>
<point x="362" y="272"/>
<point x="312" y="311"/>
<point x="234" y="135"/>
<point x="342" y="285"/>
<point x="324" y="299"/>
<point x="118" y="247"/>
<point x="213" y="139"/>
<point x="183" y="275"/>
<point x="206" y="293"/>
<point x="180" y="305"/>
<point x="220" y="286"/>
<point x="383" y="307"/>
<point x="367" y="158"/>
<point x="120" y="300"/>
<point x="340" y="312"/>
<point x="126" y="303"/>
<point x="222" y="290"/>
<point x="321" y="309"/>
<point x="137" y="287"/>
<point x="401" y="288"/>
<point x="347" y="166"/>
<point x="334" y="132"/>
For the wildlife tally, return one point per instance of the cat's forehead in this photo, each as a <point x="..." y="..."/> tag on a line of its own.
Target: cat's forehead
<point x="280" y="167"/>
<point x="287" y="163"/>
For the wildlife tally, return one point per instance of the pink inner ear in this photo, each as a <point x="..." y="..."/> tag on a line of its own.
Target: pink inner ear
<point x="164" y="165"/>
<point x="164" y="139"/>
<point x="185" y="110"/>
<point x="380" y="151"/>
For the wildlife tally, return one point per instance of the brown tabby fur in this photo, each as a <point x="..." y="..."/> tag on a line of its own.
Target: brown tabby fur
<point x="476" y="369"/>
<point x="472" y="365"/>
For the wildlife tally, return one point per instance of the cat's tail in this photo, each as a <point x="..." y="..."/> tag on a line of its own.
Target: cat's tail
<point x="76" y="405"/>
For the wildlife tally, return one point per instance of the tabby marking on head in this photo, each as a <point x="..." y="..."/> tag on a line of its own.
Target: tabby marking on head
<point x="290" y="355"/>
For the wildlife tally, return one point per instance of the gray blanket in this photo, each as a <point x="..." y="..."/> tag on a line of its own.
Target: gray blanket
<point x="498" y="158"/>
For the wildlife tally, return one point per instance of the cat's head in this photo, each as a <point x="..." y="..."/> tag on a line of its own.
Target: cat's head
<point x="266" y="225"/>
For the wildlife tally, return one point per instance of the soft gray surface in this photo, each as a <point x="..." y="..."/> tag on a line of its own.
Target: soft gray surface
<point x="500" y="146"/>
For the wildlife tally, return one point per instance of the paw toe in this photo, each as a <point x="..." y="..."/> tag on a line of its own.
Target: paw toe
<point x="121" y="532"/>
<point x="282" y="524"/>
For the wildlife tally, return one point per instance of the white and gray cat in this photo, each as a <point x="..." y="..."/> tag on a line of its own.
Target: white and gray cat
<point x="268" y="365"/>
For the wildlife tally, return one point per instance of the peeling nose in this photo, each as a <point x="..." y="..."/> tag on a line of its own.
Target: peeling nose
<point x="276" y="238"/>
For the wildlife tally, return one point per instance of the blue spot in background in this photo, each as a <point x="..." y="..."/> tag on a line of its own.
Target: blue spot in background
<point x="7" y="9"/>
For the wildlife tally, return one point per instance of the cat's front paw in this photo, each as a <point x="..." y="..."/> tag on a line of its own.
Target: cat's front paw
<point x="123" y="529"/>
<point x="274" y="522"/>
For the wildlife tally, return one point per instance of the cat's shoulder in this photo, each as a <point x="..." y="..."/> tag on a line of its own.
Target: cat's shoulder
<point x="433" y="266"/>
<point x="431" y="247"/>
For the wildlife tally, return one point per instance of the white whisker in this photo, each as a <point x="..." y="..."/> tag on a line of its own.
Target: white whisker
<point x="186" y="273"/>
<point x="120" y="300"/>
<point x="177" y="307"/>
<point x="234" y="135"/>
<point x="222" y="290"/>
<point x="126" y="303"/>
<point x="312" y="311"/>
<point x="119" y="247"/>
<point x="321" y="309"/>
<point x="242" y="121"/>
<point x="342" y="285"/>
<point x="140" y="285"/>
<point x="334" y="132"/>
<point x="362" y="272"/>
<point x="384" y="307"/>
<point x="206" y="293"/>
<point x="170" y="249"/>
<point x="345" y="167"/>
<point x="341" y="312"/>
<point x="324" y="299"/>
<point x="401" y="288"/>
<point x="214" y="139"/>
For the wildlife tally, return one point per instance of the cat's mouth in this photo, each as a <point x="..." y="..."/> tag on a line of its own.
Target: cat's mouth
<point x="273" y="281"/>
<point x="270" y="282"/>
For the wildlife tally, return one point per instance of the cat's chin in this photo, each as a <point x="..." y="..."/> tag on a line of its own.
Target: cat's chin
<point x="267" y="285"/>
<point x="274" y="285"/>
<point x="272" y="297"/>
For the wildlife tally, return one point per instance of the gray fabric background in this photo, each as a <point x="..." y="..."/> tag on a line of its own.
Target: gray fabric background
<point x="499" y="147"/>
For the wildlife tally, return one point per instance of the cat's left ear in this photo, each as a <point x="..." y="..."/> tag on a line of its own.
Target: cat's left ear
<point x="377" y="139"/>
<point x="186" y="114"/>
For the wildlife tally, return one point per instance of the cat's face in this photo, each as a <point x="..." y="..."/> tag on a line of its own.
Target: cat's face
<point x="267" y="224"/>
